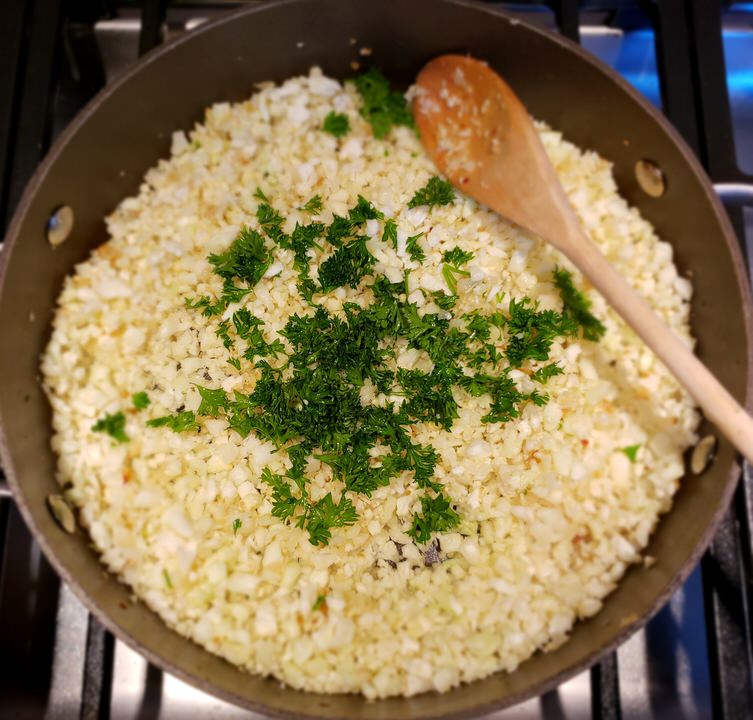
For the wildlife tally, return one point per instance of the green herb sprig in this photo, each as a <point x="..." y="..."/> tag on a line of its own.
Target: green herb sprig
<point x="179" y="422"/>
<point x="336" y="124"/>
<point x="451" y="270"/>
<point x="577" y="306"/>
<point x="381" y="107"/>
<point x="113" y="425"/>
<point x="436" y="192"/>
<point x="140" y="400"/>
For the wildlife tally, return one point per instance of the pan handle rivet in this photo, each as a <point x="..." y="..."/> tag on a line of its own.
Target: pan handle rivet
<point x="59" y="225"/>
<point x="703" y="454"/>
<point x="650" y="178"/>
<point x="61" y="511"/>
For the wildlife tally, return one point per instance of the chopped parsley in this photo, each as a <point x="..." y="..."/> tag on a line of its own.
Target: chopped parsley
<point x="457" y="257"/>
<point x="336" y="124"/>
<point x="114" y="425"/>
<point x="436" y="516"/>
<point x="247" y="259"/>
<point x="381" y="107"/>
<point x="545" y="372"/>
<point x="306" y="398"/>
<point x="322" y="516"/>
<point x="451" y="269"/>
<point x="320" y="603"/>
<point x="450" y="274"/>
<point x="389" y="234"/>
<point x="313" y="206"/>
<point x="223" y="333"/>
<point x="532" y="331"/>
<point x="248" y="327"/>
<point x="237" y="525"/>
<point x="213" y="402"/>
<point x="435" y="192"/>
<point x="347" y="266"/>
<point x="259" y="195"/>
<point x="340" y="229"/>
<point x="632" y="452"/>
<point x="443" y="300"/>
<point x="414" y="250"/>
<point x="363" y="211"/>
<point x="166" y="576"/>
<point x="271" y="223"/>
<point x="577" y="306"/>
<point x="179" y="422"/>
<point x="140" y="400"/>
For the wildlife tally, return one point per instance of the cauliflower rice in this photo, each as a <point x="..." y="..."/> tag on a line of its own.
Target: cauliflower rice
<point x="553" y="510"/>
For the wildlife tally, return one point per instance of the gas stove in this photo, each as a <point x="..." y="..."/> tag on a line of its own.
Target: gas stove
<point x="691" y="58"/>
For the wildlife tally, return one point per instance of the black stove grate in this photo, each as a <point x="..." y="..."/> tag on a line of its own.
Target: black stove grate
<point x="51" y="67"/>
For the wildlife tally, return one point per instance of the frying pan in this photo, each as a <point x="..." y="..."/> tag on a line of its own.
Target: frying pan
<point x="101" y="159"/>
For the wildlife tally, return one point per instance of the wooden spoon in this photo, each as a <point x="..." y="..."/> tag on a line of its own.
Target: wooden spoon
<point x="481" y="137"/>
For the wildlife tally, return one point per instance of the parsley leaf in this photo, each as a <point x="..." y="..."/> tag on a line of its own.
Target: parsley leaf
<point x="389" y="235"/>
<point x="325" y="515"/>
<point x="347" y="266"/>
<point x="435" y="192"/>
<point x="532" y="331"/>
<point x="507" y="400"/>
<point x="140" y="400"/>
<point x="236" y="525"/>
<point x="450" y="273"/>
<point x="381" y="107"/>
<point x="113" y="425"/>
<point x="422" y="461"/>
<point x="336" y="124"/>
<point x="313" y="206"/>
<point x="179" y="422"/>
<point x="632" y="452"/>
<point x="247" y="258"/>
<point x="437" y="516"/>
<point x="545" y="372"/>
<point x="223" y="333"/>
<point x="444" y="301"/>
<point x="340" y="229"/>
<point x="259" y="194"/>
<point x="576" y="306"/>
<point x="284" y="503"/>
<point x="320" y="603"/>
<point x="212" y="401"/>
<point x="457" y="257"/>
<point x="205" y="304"/>
<point x="301" y="241"/>
<point x="271" y="222"/>
<point x="363" y="211"/>
<point x="451" y="269"/>
<point x="414" y="250"/>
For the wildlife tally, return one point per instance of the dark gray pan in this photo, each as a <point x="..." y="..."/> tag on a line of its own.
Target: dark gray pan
<point x="102" y="157"/>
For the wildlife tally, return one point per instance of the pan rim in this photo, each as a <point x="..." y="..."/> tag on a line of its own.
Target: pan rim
<point x="741" y="277"/>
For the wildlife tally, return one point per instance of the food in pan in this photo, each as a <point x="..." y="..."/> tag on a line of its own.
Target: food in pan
<point x="343" y="426"/>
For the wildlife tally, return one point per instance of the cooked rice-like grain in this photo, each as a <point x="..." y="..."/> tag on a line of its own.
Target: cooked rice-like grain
<point x="552" y="510"/>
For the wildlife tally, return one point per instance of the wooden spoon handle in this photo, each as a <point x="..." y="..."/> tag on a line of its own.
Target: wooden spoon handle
<point x="717" y="404"/>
